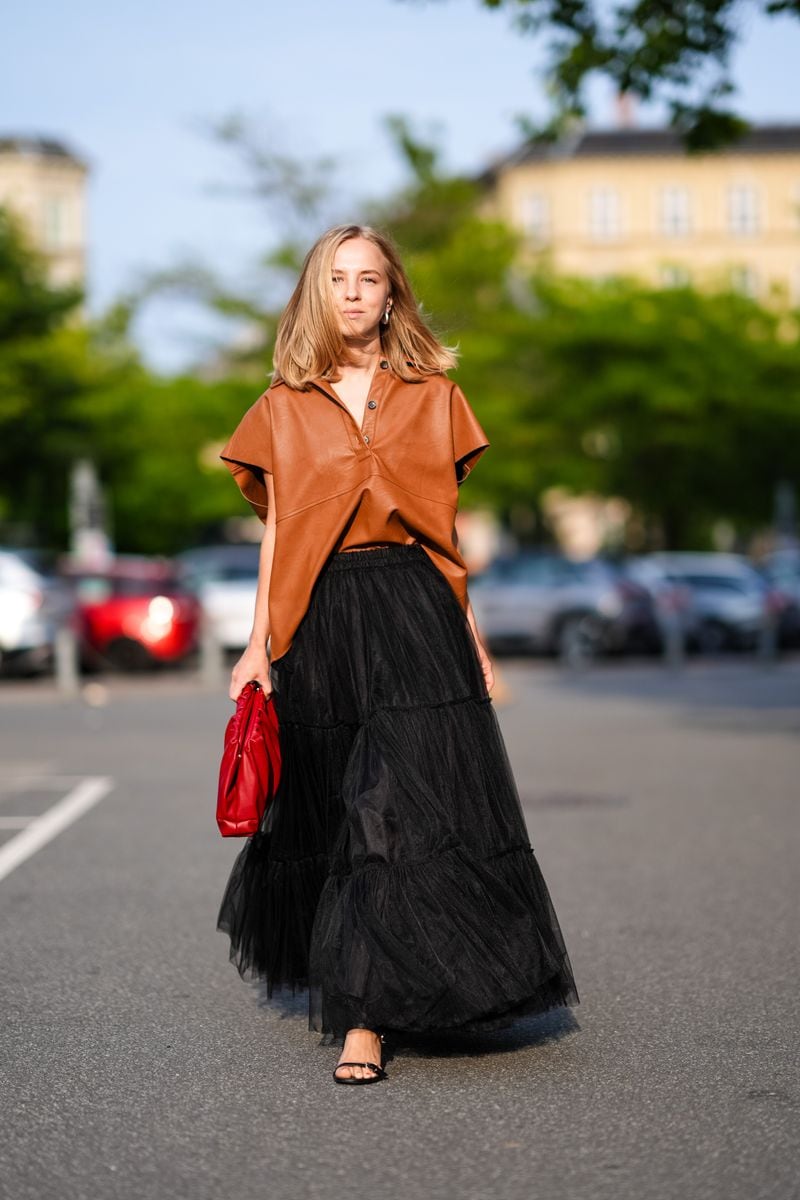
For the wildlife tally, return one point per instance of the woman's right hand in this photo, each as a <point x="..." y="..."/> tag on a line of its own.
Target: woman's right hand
<point x="253" y="664"/>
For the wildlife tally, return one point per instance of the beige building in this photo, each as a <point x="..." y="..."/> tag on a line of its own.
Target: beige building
<point x="45" y="184"/>
<point x="632" y="201"/>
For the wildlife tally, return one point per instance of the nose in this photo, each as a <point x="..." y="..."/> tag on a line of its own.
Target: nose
<point x="353" y="290"/>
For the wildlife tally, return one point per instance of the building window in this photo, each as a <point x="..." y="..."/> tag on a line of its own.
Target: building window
<point x="54" y="225"/>
<point x="743" y="214"/>
<point x="674" y="211"/>
<point x="604" y="213"/>
<point x="745" y="280"/>
<point x="674" y="275"/>
<point x="535" y="215"/>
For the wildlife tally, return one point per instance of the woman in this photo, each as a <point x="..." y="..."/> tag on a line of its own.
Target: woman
<point x="393" y="875"/>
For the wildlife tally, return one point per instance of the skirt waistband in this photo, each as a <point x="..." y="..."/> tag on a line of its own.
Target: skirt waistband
<point x="395" y="552"/>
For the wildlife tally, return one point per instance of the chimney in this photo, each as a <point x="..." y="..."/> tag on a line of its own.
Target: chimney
<point x="624" y="110"/>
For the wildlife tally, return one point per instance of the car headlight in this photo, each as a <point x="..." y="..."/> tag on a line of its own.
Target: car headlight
<point x="160" y="610"/>
<point x="610" y="604"/>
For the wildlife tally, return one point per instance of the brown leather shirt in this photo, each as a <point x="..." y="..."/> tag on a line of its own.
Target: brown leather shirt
<point x="338" y="486"/>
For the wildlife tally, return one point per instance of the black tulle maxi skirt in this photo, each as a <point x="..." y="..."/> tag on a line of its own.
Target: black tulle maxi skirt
<point x="393" y="875"/>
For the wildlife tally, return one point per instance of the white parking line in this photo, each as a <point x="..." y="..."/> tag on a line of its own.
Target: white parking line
<point x="43" y="829"/>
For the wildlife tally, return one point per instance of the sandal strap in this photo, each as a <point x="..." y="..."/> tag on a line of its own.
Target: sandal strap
<point x="371" y="1066"/>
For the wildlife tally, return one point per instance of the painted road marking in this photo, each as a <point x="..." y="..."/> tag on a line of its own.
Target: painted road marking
<point x="41" y="830"/>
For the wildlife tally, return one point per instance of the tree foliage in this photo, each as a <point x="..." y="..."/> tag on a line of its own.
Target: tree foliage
<point x="72" y="389"/>
<point x="43" y="374"/>
<point x="684" y="403"/>
<point x="675" y="50"/>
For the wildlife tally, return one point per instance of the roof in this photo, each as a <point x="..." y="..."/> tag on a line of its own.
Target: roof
<point x="641" y="143"/>
<point x="45" y="147"/>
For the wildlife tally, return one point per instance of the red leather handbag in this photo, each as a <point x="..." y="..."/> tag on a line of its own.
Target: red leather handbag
<point x="251" y="763"/>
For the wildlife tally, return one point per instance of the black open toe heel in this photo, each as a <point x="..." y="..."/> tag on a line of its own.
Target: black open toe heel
<point x="376" y="1067"/>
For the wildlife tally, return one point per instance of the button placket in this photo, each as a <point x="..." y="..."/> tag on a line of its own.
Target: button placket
<point x="362" y="436"/>
<point x="372" y="405"/>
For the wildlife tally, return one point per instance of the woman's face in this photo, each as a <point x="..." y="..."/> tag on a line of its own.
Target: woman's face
<point x="360" y="287"/>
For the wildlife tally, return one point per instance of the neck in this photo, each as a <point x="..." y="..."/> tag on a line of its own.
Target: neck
<point x="362" y="353"/>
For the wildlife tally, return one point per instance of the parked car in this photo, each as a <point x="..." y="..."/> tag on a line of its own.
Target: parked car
<point x="730" y="601"/>
<point x="544" y="602"/>
<point x="782" y="570"/>
<point x="34" y="605"/>
<point x="224" y="578"/>
<point x="134" y="614"/>
<point x="673" y="599"/>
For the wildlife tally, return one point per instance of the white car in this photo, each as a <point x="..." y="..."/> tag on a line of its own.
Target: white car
<point x="224" y="579"/>
<point x="33" y="607"/>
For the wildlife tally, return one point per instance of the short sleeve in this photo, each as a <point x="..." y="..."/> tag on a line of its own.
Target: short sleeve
<point x="469" y="439"/>
<point x="248" y="455"/>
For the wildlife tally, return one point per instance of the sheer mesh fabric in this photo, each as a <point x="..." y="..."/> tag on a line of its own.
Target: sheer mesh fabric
<point x="393" y="876"/>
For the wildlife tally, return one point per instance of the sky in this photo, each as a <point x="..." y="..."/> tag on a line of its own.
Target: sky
<point x="133" y="89"/>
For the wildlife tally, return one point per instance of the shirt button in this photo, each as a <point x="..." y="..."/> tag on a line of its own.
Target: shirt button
<point x="366" y="437"/>
<point x="372" y="404"/>
<point x="384" y="365"/>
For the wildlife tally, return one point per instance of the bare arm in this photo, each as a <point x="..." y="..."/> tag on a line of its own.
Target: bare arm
<point x="261" y="625"/>
<point x="486" y="662"/>
<point x="254" y="663"/>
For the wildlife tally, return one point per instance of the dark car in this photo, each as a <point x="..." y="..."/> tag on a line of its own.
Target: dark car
<point x="730" y="602"/>
<point x="781" y="568"/>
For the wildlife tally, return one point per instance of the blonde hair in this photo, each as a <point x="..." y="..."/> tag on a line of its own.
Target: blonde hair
<point x="310" y="344"/>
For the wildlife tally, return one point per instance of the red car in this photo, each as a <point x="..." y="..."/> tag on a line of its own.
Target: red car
<point x="134" y="613"/>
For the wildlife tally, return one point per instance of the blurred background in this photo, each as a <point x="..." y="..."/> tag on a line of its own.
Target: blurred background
<point x="609" y="229"/>
<point x="599" y="201"/>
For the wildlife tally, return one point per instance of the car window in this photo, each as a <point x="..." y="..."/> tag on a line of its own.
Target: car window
<point x="92" y="590"/>
<point x="95" y="589"/>
<point x="546" y="572"/>
<point x="715" y="583"/>
<point x="145" y="587"/>
<point x="530" y="570"/>
<point x="783" y="572"/>
<point x="590" y="571"/>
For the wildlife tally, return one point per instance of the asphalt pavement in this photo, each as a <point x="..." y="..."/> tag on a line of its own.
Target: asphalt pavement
<point x="663" y="808"/>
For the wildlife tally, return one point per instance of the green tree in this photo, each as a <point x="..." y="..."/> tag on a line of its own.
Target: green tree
<point x="683" y="403"/>
<point x="687" y="404"/>
<point x="72" y="389"/>
<point x="171" y="487"/>
<point x="675" y="50"/>
<point x="43" y="372"/>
